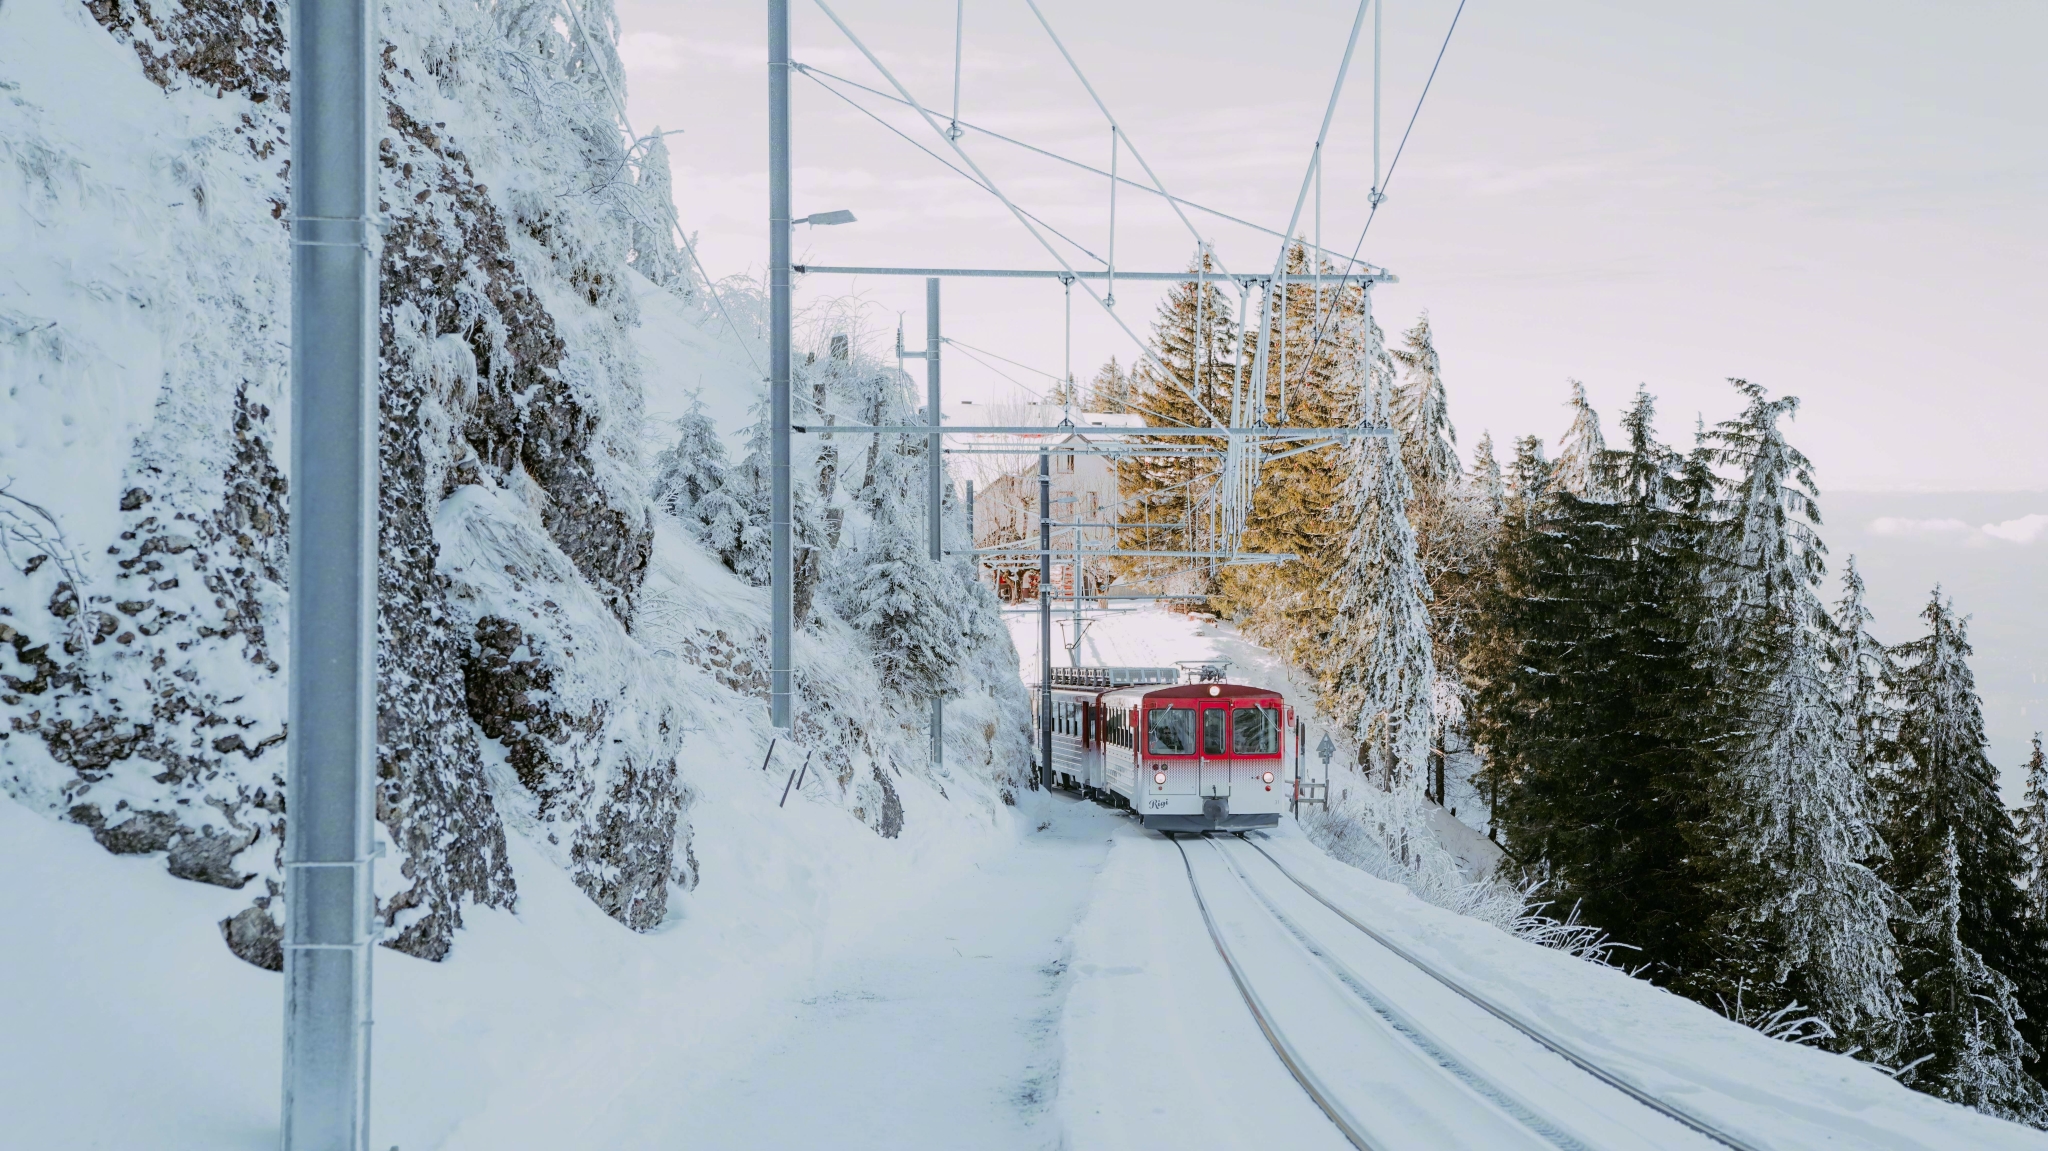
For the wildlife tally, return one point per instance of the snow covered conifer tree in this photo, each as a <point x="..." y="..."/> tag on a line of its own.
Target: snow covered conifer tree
<point x="1943" y="782"/>
<point x="689" y="479"/>
<point x="1385" y="674"/>
<point x="1866" y="668"/>
<point x="736" y="524"/>
<point x="1581" y="457"/>
<point x="1967" y="1029"/>
<point x="655" y="253"/>
<point x="1488" y="488"/>
<point x="2033" y="819"/>
<point x="898" y="596"/>
<point x="1794" y="805"/>
<point x="1422" y="411"/>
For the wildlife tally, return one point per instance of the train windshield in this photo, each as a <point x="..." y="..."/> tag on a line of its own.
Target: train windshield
<point x="1172" y="731"/>
<point x="1257" y="730"/>
<point x="1213" y="719"/>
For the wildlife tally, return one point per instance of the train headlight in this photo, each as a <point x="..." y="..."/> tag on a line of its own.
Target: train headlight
<point x="1268" y="777"/>
<point x="1158" y="777"/>
<point x="1214" y="690"/>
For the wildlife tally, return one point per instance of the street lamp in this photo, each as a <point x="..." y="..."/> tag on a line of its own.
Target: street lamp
<point x="842" y="216"/>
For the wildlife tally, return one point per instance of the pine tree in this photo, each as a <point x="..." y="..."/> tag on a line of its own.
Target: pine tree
<point x="655" y="253"/>
<point x="1489" y="489"/>
<point x="1967" y="1031"/>
<point x="1295" y="507"/>
<point x="1385" y="675"/>
<point x="689" y="475"/>
<point x="736" y="523"/>
<point x="1588" y="696"/>
<point x="1186" y="382"/>
<point x="1422" y="411"/>
<point x="1794" y="806"/>
<point x="2033" y="821"/>
<point x="1582" y="456"/>
<point x="1865" y="667"/>
<point x="1942" y="784"/>
<point x="1110" y="390"/>
<point x="899" y="598"/>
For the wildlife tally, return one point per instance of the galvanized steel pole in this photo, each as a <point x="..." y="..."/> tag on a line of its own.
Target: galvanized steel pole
<point x="935" y="471"/>
<point x="781" y="568"/>
<point x="333" y="609"/>
<point x="1045" y="617"/>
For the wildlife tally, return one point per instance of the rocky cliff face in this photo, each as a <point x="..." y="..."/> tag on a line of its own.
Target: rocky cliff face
<point x="144" y="698"/>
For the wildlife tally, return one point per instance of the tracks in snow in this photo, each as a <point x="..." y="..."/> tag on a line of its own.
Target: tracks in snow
<point x="1397" y="1054"/>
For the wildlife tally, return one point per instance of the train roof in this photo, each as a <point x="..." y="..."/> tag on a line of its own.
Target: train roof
<point x="1199" y="691"/>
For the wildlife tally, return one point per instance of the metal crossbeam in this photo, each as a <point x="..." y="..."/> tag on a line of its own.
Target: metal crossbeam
<point x="1097" y="430"/>
<point x="1233" y="557"/>
<point x="1055" y="274"/>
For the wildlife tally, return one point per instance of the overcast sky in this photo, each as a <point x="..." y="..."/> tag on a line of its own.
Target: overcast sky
<point x="1838" y="200"/>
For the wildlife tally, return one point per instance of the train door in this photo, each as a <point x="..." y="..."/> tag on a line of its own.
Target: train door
<point x="1214" y="765"/>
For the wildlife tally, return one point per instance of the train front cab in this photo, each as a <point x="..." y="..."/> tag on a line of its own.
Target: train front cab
<point x="1211" y="758"/>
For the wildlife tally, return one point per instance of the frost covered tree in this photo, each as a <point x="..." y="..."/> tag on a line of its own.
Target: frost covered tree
<point x="2033" y="820"/>
<point x="1865" y="667"/>
<point x="690" y="482"/>
<point x="1384" y="673"/>
<point x="655" y="253"/>
<point x="1794" y="806"/>
<point x="1582" y="455"/>
<point x="1943" y="784"/>
<point x="899" y="598"/>
<point x="1967" y="1031"/>
<point x="1489" y="488"/>
<point x="736" y="524"/>
<point x="1422" y="411"/>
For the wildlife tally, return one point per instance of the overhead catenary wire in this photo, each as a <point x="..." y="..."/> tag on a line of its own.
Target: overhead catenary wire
<point x="1113" y="122"/>
<point x="932" y="123"/>
<point x="954" y="168"/>
<point x="814" y="72"/>
<point x="1379" y="191"/>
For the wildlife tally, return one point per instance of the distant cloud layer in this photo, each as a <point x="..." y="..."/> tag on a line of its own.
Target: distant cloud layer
<point x="2024" y="530"/>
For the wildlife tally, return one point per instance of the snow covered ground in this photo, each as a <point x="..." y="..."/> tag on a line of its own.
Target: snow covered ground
<point x="1043" y="980"/>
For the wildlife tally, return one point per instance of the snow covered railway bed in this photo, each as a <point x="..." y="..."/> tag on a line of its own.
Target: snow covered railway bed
<point x="1553" y="1101"/>
<point x="1391" y="1065"/>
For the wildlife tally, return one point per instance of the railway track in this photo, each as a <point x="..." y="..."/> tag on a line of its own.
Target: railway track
<point x="1369" y="1032"/>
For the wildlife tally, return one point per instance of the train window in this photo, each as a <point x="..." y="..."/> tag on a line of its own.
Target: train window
<point x="1213" y="719"/>
<point x="1172" y="731"/>
<point x="1256" y="731"/>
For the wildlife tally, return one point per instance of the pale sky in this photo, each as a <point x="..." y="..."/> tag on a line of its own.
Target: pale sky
<point x="1838" y="200"/>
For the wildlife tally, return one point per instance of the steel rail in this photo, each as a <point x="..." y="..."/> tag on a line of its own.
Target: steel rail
<point x="1337" y="1113"/>
<point x="1406" y="1025"/>
<point x="1542" y="1037"/>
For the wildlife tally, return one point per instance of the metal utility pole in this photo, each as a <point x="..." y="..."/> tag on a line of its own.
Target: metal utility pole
<point x="781" y="568"/>
<point x="335" y="119"/>
<point x="1045" y="617"/>
<point x="935" y="474"/>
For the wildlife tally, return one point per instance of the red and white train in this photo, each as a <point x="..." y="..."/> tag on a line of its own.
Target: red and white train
<point x="1204" y="756"/>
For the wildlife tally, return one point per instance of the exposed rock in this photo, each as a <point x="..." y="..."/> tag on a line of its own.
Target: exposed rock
<point x="255" y="937"/>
